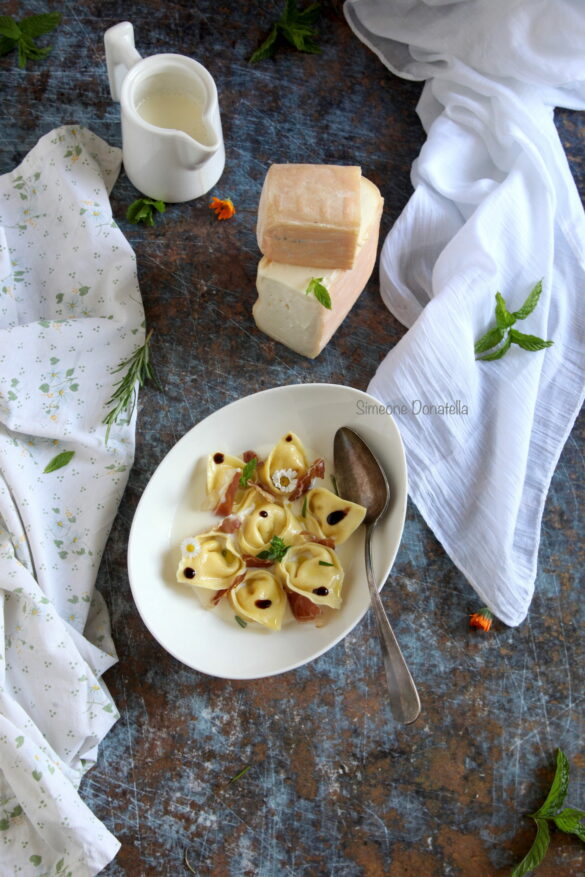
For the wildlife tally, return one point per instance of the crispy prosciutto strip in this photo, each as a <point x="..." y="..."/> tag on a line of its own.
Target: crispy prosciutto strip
<point x="225" y="505"/>
<point x="316" y="470"/>
<point x="258" y="562"/>
<point x="301" y="607"/>
<point x="230" y="524"/>
<point x="250" y="455"/>
<point x="219" y="594"/>
<point x="311" y="537"/>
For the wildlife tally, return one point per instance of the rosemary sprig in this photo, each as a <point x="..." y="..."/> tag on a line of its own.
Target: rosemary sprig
<point x="138" y="370"/>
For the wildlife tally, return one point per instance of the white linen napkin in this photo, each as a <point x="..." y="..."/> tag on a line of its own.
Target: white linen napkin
<point x="70" y="311"/>
<point x="495" y="208"/>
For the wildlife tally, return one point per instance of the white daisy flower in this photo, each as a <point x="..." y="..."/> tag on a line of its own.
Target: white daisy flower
<point x="190" y="547"/>
<point x="285" y="480"/>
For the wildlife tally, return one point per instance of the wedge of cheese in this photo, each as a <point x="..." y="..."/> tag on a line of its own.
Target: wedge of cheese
<point x="285" y="312"/>
<point x="310" y="214"/>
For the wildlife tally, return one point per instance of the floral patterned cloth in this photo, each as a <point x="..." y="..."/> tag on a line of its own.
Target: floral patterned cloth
<point x="70" y="311"/>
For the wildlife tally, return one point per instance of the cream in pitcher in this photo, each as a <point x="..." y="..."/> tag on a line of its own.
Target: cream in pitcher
<point x="172" y="140"/>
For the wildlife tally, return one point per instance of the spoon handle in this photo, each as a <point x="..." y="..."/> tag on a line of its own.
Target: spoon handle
<point x="404" y="699"/>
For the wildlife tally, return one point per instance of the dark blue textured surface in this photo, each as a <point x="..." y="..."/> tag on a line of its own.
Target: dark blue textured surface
<point x="334" y="787"/>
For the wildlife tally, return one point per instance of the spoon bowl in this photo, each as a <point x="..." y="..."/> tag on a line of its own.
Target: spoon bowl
<point x="361" y="479"/>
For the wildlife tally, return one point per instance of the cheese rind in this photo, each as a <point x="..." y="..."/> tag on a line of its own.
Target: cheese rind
<point x="309" y="214"/>
<point x="286" y="313"/>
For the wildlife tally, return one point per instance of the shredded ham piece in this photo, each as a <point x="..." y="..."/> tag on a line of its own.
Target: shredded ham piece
<point x="219" y="594"/>
<point x="316" y="470"/>
<point x="224" y="507"/>
<point x="301" y="607"/>
<point x="259" y="562"/>
<point x="230" y="524"/>
<point x="311" y="537"/>
<point x="250" y="455"/>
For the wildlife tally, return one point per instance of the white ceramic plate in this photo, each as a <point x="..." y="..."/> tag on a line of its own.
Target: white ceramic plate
<point x="170" y="510"/>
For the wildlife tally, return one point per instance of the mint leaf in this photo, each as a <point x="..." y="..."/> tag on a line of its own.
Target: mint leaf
<point x="491" y="338"/>
<point x="6" y="45"/>
<point x="248" y="471"/>
<point x="530" y="303"/>
<point x="529" y="342"/>
<point x="570" y="820"/>
<point x="503" y="333"/>
<point x="497" y="354"/>
<point x="319" y="291"/>
<point x="9" y="28"/>
<point x="21" y="35"/>
<point x="537" y="851"/>
<point x="294" y="26"/>
<point x="37" y="25"/>
<point x="59" y="461"/>
<point x="558" y="790"/>
<point x="143" y="210"/>
<point x="276" y="551"/>
<point x="268" y="47"/>
<point x="504" y="319"/>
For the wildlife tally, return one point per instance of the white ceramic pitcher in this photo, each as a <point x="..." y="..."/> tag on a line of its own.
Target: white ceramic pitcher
<point x="172" y="143"/>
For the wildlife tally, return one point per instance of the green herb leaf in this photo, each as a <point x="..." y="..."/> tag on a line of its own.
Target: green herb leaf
<point x="530" y="302"/>
<point x="504" y="319"/>
<point x="268" y="47"/>
<point x="497" y="354"/>
<point x="294" y="26"/>
<point x="324" y="563"/>
<point x="503" y="331"/>
<point x="276" y="551"/>
<point x="319" y="291"/>
<point x="6" y="45"/>
<point x="537" y="851"/>
<point x="570" y="820"/>
<point x="334" y="485"/>
<point x="9" y="28"/>
<point x="21" y="35"/>
<point x="241" y="621"/>
<point x="143" y="210"/>
<point x="558" y="790"/>
<point x="528" y="342"/>
<point x="37" y="25"/>
<point x="59" y="461"/>
<point x="138" y="371"/>
<point x="304" y="508"/>
<point x="248" y="471"/>
<point x="491" y="338"/>
<point x="239" y="775"/>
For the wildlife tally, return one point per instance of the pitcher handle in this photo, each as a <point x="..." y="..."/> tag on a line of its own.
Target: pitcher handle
<point x="120" y="55"/>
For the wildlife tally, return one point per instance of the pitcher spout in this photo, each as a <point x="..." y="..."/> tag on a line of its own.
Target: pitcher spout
<point x="190" y="153"/>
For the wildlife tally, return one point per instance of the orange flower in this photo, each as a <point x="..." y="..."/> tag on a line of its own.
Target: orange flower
<point x="224" y="209"/>
<point x="482" y="619"/>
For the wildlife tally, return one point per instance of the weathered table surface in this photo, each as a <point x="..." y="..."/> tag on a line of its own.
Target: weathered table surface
<point x="335" y="787"/>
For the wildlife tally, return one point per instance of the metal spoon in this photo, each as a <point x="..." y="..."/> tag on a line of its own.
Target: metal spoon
<point x="361" y="479"/>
